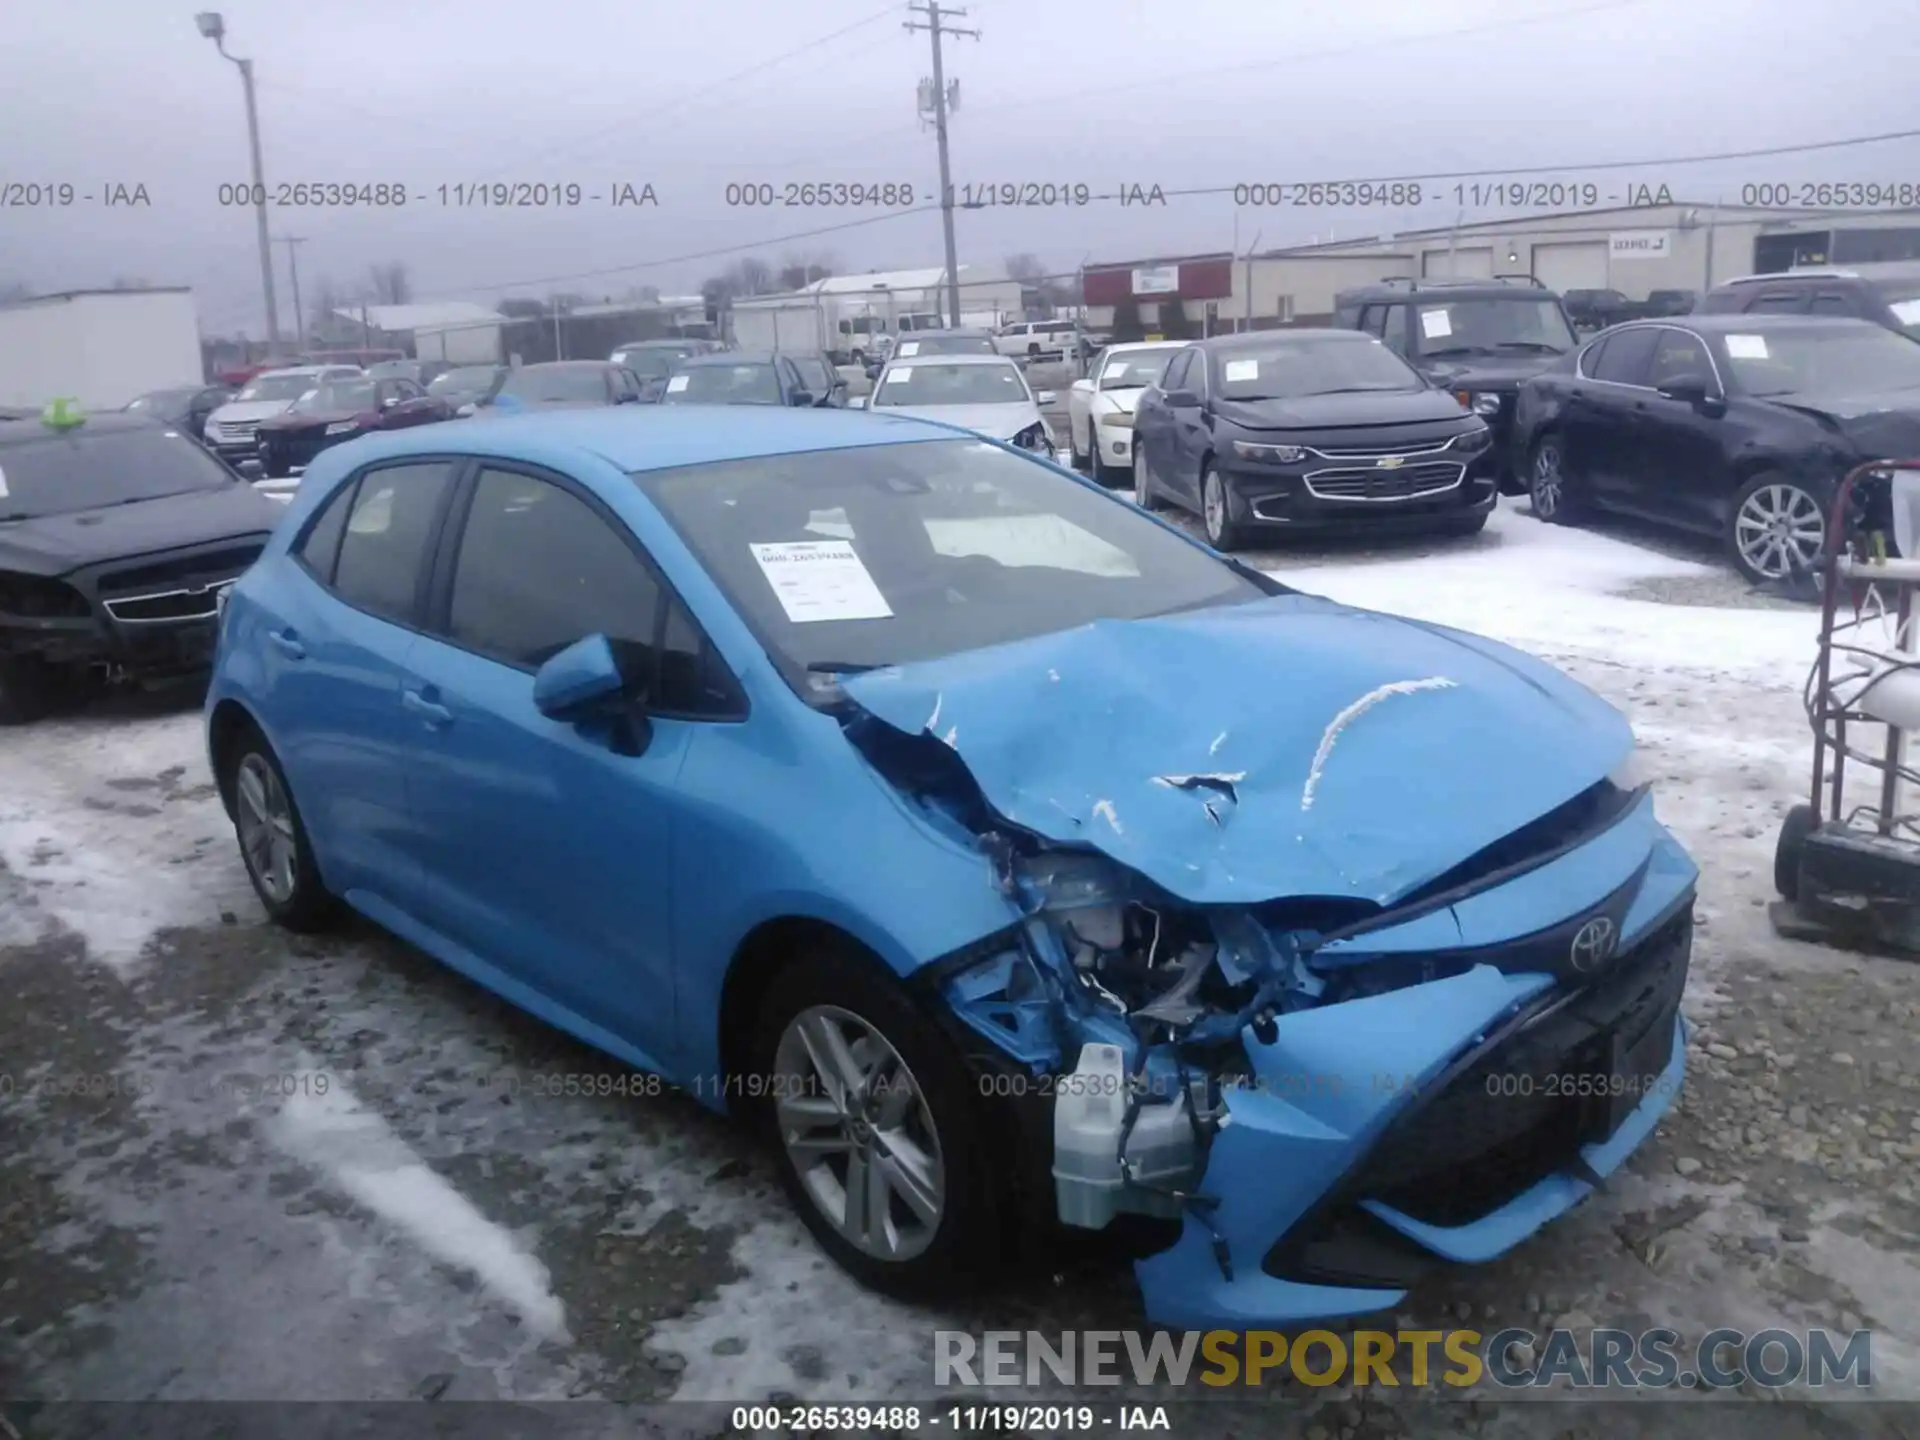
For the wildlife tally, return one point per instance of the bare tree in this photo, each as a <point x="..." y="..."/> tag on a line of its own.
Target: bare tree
<point x="1026" y="268"/>
<point x="799" y="270"/>
<point x="389" y="284"/>
<point x="328" y="301"/>
<point x="751" y="276"/>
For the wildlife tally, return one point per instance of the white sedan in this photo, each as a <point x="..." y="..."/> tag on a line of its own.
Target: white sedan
<point x="984" y="393"/>
<point x="1100" y="407"/>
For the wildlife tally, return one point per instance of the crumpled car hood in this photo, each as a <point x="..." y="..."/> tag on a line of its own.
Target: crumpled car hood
<point x="1284" y="747"/>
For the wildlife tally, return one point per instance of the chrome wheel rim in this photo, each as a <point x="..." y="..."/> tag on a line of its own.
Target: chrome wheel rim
<point x="1779" y="530"/>
<point x="264" y="816"/>
<point x="1547" y="481"/>
<point x="857" y="1128"/>
<point x="1215" y="503"/>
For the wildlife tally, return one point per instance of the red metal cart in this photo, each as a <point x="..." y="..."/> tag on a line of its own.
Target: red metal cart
<point x="1847" y="865"/>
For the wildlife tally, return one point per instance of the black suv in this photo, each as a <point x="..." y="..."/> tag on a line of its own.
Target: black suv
<point x="1476" y="338"/>
<point x="1886" y="294"/>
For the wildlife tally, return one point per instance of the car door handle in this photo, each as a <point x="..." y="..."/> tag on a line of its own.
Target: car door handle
<point x="432" y="711"/>
<point x="288" y="643"/>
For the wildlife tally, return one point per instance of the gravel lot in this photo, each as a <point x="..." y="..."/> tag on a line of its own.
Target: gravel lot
<point x="235" y="1164"/>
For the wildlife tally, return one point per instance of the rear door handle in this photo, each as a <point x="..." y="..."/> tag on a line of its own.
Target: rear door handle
<point x="432" y="711"/>
<point x="288" y="643"/>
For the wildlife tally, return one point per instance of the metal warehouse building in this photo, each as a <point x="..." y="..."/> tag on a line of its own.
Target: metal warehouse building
<point x="1635" y="250"/>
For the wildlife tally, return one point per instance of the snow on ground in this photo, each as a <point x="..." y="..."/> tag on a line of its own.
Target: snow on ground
<point x="104" y="823"/>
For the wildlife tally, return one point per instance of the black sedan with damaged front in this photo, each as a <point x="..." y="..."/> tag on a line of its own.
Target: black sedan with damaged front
<point x="118" y="537"/>
<point x="1309" y="430"/>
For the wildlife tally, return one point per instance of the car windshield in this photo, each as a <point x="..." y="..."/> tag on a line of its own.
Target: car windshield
<point x="1134" y="369"/>
<point x="920" y="550"/>
<point x="916" y="384"/>
<point x="276" y="387"/>
<point x="62" y="474"/>
<point x="466" y="381"/>
<point x="928" y="344"/>
<point x="649" y="364"/>
<point x="160" y="402"/>
<point x="1863" y="360"/>
<point x="1492" y="324"/>
<point x="1906" y="310"/>
<point x="556" y="384"/>
<point x="389" y="369"/>
<point x="724" y="385"/>
<point x="355" y="395"/>
<point x="1289" y="370"/>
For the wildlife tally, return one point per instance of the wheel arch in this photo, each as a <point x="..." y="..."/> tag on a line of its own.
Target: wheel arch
<point x="761" y="953"/>
<point x="229" y="722"/>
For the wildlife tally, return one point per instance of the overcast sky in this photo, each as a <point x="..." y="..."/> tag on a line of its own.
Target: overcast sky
<point x="1108" y="93"/>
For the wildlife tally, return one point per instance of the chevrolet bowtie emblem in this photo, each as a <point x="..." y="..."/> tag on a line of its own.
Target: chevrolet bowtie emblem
<point x="1388" y="462"/>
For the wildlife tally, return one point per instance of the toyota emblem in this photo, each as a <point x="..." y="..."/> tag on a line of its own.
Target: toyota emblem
<point x="1593" y="944"/>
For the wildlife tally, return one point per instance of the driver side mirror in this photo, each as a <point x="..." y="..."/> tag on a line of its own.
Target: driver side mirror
<point x="800" y="398"/>
<point x="1181" y="399"/>
<point x="858" y="402"/>
<point x="586" y="682"/>
<point x="1694" y="390"/>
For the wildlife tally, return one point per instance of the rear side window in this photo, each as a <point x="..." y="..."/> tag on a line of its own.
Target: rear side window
<point x="1779" y="302"/>
<point x="539" y="569"/>
<point x="320" y="547"/>
<point x="388" y="536"/>
<point x="1831" y="302"/>
<point x="1626" y="359"/>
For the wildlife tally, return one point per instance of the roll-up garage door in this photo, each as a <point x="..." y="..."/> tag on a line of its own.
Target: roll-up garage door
<point x="1571" y="265"/>
<point x="1469" y="262"/>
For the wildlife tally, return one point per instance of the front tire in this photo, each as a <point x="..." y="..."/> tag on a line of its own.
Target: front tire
<point x="1143" y="495"/>
<point x="29" y="689"/>
<point x="1776" y="529"/>
<point x="1096" y="471"/>
<point x="877" y="1127"/>
<point x="274" y="845"/>
<point x="1222" y="533"/>
<point x="1801" y="822"/>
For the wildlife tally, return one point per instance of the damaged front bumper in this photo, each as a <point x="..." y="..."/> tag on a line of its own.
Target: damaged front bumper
<point x="1436" y="1088"/>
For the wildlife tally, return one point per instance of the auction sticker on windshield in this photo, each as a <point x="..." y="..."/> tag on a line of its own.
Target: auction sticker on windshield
<point x="894" y="377"/>
<point x="1114" y="371"/>
<point x="821" y="580"/>
<point x="911" y="347"/>
<point x="1435" y="324"/>
<point x="1747" y="347"/>
<point x="677" y="384"/>
<point x="1907" y="312"/>
<point x="3" y="485"/>
<point x="1238" y="370"/>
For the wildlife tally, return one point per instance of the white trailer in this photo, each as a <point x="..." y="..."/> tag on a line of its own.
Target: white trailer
<point x="99" y="347"/>
<point x="781" y="322"/>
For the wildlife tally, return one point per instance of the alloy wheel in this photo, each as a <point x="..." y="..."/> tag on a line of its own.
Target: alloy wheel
<point x="1779" y="531"/>
<point x="856" y="1126"/>
<point x="1214" y="502"/>
<point x="1547" y="481"/>
<point x="265" y="820"/>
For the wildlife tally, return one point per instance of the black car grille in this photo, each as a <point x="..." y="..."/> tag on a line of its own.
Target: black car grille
<point x="1518" y="1114"/>
<point x="1405" y="482"/>
<point x="1369" y="452"/>
<point x="178" y="587"/>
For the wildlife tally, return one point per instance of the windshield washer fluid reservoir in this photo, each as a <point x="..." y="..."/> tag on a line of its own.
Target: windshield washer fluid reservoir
<point x="1089" y="1116"/>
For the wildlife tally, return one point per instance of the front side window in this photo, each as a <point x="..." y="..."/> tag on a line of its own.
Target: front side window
<point x="389" y="534"/>
<point x="539" y="569"/>
<point x="893" y="553"/>
<point x="1681" y="356"/>
<point x="64" y="473"/>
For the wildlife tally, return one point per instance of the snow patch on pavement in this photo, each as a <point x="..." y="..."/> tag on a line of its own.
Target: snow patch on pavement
<point x="358" y="1153"/>
<point x="112" y="830"/>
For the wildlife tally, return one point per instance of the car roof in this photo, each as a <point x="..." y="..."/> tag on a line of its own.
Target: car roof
<point x="1459" y="289"/>
<point x="1751" y="324"/>
<point x="15" y="432"/>
<point x="972" y="332"/>
<point x="572" y="365"/>
<point x="657" y="437"/>
<point x="660" y="343"/>
<point x="913" y="360"/>
<point x="319" y="369"/>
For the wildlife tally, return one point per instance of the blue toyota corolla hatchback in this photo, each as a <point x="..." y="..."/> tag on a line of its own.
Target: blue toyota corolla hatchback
<point x="1010" y="857"/>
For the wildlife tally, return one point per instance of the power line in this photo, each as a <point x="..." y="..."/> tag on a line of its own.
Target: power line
<point x="771" y="241"/>
<point x="626" y="124"/>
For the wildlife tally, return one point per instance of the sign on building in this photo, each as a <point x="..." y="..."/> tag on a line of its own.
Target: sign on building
<point x="1640" y="245"/>
<point x="1157" y="280"/>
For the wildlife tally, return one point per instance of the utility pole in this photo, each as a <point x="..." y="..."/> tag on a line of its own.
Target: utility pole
<point x="293" y="266"/>
<point x="214" y="28"/>
<point x="934" y="25"/>
<point x="558" y="354"/>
